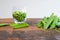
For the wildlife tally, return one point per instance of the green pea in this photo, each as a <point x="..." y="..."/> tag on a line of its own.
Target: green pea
<point x="19" y="15"/>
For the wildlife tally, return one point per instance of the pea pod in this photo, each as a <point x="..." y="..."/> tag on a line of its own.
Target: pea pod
<point x="58" y="23"/>
<point x="3" y="25"/>
<point x="51" y="18"/>
<point x="41" y="23"/>
<point x="19" y="25"/>
<point x="45" y="19"/>
<point x="53" y="25"/>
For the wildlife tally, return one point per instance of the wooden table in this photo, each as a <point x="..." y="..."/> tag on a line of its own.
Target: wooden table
<point x="30" y="33"/>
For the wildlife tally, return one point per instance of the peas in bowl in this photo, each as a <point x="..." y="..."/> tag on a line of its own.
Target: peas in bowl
<point x="19" y="16"/>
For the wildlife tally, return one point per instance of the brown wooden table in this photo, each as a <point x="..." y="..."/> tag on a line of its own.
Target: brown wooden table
<point x="30" y="33"/>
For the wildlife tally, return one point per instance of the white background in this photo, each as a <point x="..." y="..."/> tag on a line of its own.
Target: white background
<point x="34" y="8"/>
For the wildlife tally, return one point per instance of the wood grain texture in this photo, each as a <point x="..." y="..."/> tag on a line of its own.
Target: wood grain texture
<point x="30" y="33"/>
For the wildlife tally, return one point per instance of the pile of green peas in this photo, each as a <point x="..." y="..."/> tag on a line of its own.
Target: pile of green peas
<point x="19" y="15"/>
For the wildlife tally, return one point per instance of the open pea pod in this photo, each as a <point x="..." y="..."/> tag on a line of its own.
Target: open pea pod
<point x="19" y="25"/>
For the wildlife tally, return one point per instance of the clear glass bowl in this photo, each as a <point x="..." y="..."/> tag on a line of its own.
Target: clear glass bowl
<point x="15" y="21"/>
<point x="18" y="9"/>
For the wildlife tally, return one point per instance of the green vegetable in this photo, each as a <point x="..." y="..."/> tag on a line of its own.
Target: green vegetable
<point x="41" y="23"/>
<point x="58" y="23"/>
<point x="45" y="19"/>
<point x="19" y="25"/>
<point x="2" y="25"/>
<point x="19" y="15"/>
<point x="53" y="25"/>
<point x="58" y="19"/>
<point x="49" y="21"/>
